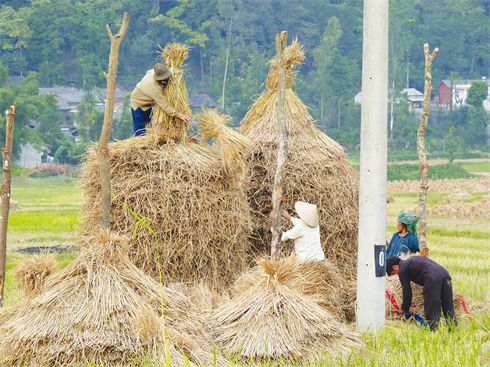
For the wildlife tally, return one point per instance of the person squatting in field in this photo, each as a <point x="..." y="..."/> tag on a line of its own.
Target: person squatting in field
<point x="305" y="232"/>
<point x="438" y="291"/>
<point x="147" y="92"/>
<point x="405" y="240"/>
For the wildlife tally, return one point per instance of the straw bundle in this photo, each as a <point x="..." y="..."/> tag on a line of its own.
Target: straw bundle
<point x="165" y="126"/>
<point x="277" y="313"/>
<point x="87" y="312"/>
<point x="233" y="146"/>
<point x="31" y="273"/>
<point x="317" y="172"/>
<point x="200" y="216"/>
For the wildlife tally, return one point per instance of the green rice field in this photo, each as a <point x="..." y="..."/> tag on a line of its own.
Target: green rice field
<point x="51" y="210"/>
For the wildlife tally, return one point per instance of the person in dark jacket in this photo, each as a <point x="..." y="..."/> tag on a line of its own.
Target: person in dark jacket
<point x="438" y="291"/>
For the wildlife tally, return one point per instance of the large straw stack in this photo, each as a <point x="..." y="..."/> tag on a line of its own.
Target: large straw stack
<point x="279" y="310"/>
<point x="317" y="171"/>
<point x="182" y="189"/>
<point x="92" y="311"/>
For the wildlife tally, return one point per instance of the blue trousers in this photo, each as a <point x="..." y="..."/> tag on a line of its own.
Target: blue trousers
<point x="140" y="120"/>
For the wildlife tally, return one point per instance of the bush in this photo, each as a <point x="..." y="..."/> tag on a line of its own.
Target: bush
<point x="439" y="172"/>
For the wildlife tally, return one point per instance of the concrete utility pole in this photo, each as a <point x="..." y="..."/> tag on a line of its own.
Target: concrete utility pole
<point x="370" y="308"/>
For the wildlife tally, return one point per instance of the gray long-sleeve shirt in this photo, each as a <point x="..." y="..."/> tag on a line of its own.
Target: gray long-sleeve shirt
<point x="421" y="271"/>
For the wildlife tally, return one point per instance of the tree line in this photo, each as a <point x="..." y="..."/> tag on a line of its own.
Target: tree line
<point x="64" y="42"/>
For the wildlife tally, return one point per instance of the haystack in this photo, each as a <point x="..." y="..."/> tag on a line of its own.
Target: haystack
<point x="181" y="188"/>
<point x="31" y="273"/>
<point x="89" y="312"/>
<point x="280" y="309"/>
<point x="317" y="171"/>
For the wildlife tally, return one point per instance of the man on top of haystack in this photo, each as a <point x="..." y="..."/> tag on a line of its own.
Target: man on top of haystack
<point x="305" y="233"/>
<point x="147" y="92"/>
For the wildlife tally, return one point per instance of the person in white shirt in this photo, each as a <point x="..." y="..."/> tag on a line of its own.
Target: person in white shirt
<point x="305" y="233"/>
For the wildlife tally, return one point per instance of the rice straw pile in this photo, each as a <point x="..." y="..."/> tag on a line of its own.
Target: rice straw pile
<point x="165" y="126"/>
<point x="180" y="188"/>
<point x="317" y="172"/>
<point x="87" y="314"/>
<point x="276" y="312"/>
<point x="31" y="273"/>
<point x="233" y="146"/>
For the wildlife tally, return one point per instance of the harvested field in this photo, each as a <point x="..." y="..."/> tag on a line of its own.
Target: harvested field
<point x="446" y="185"/>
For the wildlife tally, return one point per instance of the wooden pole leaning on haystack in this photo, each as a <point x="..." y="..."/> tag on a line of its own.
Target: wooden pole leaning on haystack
<point x="422" y="153"/>
<point x="5" y="197"/>
<point x="278" y="192"/>
<point x="102" y="151"/>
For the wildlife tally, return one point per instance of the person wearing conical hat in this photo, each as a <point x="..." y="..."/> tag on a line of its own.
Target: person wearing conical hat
<point x="147" y="92"/>
<point x="405" y="240"/>
<point x="305" y="233"/>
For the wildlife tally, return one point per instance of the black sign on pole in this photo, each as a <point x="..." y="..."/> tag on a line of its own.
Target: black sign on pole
<point x="380" y="260"/>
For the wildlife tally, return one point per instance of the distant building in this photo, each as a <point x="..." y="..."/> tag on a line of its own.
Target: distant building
<point x="415" y="98"/>
<point x="196" y="101"/>
<point x="29" y="157"/>
<point x="459" y="93"/>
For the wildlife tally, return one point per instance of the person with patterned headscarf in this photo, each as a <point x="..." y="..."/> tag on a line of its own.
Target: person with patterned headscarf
<point x="405" y="240"/>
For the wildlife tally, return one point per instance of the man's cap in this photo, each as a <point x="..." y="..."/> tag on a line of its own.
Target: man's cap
<point x="161" y="72"/>
<point x="308" y="213"/>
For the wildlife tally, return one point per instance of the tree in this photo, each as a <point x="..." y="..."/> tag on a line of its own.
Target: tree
<point x="49" y="120"/>
<point x="15" y="25"/>
<point x="477" y="93"/>
<point x="323" y="57"/>
<point x="343" y="77"/>
<point x="4" y="75"/>
<point x="454" y="80"/>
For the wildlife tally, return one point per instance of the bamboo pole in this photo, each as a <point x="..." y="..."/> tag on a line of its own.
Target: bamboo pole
<point x="5" y="197"/>
<point x="278" y="192"/>
<point x="102" y="151"/>
<point x="421" y="151"/>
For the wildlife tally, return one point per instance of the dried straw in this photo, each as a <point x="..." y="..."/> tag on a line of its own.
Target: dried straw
<point x="31" y="273"/>
<point x="200" y="217"/>
<point x="233" y="146"/>
<point x="276" y="312"/>
<point x="317" y="172"/>
<point x="87" y="312"/>
<point x="168" y="127"/>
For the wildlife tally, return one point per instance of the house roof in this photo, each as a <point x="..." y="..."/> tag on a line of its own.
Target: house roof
<point x="464" y="82"/>
<point x="198" y="100"/>
<point x="15" y="80"/>
<point x="62" y="105"/>
<point x="413" y="94"/>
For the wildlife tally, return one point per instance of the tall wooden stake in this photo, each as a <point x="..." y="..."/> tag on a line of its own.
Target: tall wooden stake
<point x="5" y="198"/>
<point x="102" y="151"/>
<point x="424" y="165"/>
<point x="278" y="192"/>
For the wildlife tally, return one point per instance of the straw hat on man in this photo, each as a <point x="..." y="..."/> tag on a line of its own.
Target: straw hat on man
<point x="305" y="233"/>
<point x="147" y="92"/>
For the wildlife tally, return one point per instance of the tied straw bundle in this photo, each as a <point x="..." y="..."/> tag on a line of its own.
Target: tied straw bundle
<point x="167" y="127"/>
<point x="234" y="146"/>
<point x="31" y="273"/>
<point x="87" y="313"/>
<point x="275" y="313"/>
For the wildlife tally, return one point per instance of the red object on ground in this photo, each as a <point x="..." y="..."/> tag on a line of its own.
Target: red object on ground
<point x="392" y="299"/>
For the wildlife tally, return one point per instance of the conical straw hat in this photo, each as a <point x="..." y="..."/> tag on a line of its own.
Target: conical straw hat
<point x="307" y="212"/>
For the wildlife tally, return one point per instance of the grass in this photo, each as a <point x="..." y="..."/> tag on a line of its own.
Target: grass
<point x="51" y="210"/>
<point x="477" y="167"/>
